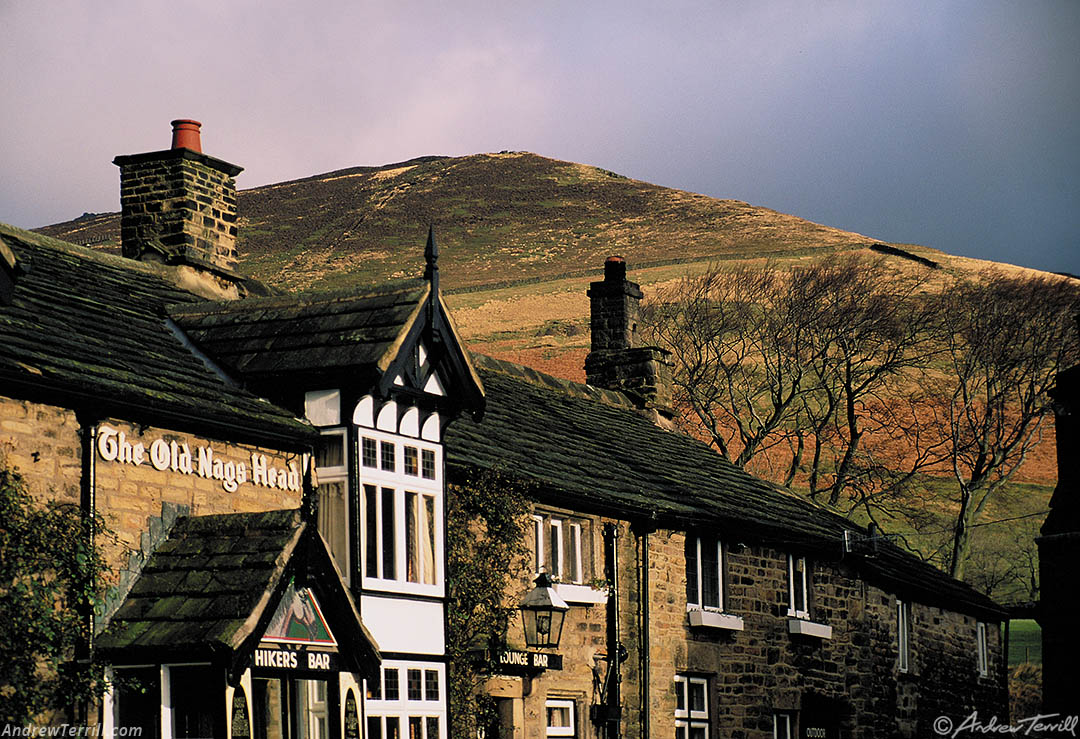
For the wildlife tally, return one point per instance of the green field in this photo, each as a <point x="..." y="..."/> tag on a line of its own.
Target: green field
<point x="1025" y="642"/>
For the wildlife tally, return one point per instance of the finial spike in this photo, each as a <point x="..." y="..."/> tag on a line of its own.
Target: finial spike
<point x="431" y="252"/>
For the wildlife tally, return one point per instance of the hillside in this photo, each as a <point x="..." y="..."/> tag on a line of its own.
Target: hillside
<point x="499" y="217"/>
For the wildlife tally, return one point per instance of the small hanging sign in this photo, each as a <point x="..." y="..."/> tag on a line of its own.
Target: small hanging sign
<point x="240" y="725"/>
<point x="299" y="620"/>
<point x="352" y="717"/>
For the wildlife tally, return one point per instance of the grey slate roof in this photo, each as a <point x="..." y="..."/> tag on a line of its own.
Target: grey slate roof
<point x="354" y="330"/>
<point x="360" y="339"/>
<point x="202" y="584"/>
<point x="589" y="451"/>
<point x="89" y="330"/>
<point x="211" y="586"/>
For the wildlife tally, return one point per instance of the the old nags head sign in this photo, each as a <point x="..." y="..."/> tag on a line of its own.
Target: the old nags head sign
<point x="115" y="446"/>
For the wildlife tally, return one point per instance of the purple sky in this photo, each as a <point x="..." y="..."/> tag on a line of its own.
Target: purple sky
<point x="950" y="124"/>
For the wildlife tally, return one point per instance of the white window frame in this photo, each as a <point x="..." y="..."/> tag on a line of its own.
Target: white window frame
<point x="686" y="717"/>
<point x="794" y="610"/>
<point x="782" y="726"/>
<point x="982" y="651"/>
<point x="903" y="635"/>
<point x="402" y="708"/>
<point x="339" y="474"/>
<point x="401" y="484"/>
<point x="721" y="571"/>
<point x="571" y="707"/>
<point x="554" y="527"/>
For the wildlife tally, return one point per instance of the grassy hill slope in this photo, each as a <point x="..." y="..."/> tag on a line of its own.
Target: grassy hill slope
<point x="499" y="217"/>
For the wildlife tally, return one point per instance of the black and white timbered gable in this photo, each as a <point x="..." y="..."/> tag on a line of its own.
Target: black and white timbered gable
<point x="380" y="372"/>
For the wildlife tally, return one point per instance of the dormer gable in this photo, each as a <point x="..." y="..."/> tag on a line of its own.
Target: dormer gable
<point x="394" y="341"/>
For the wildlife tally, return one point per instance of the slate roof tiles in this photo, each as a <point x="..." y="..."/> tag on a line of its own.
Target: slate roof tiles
<point x="200" y="588"/>
<point x="89" y="330"/>
<point x="326" y="331"/>
<point x="589" y="451"/>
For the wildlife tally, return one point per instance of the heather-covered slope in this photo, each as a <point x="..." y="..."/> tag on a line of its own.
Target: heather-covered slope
<point x="500" y="218"/>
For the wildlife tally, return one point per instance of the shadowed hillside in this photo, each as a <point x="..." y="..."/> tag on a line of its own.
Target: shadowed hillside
<point x="500" y="219"/>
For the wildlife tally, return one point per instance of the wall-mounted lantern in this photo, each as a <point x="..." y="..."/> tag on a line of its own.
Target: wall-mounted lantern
<point x="542" y="613"/>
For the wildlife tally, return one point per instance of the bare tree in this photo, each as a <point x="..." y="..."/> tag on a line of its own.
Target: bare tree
<point x="1005" y="338"/>
<point x="870" y="334"/>
<point x="861" y="382"/>
<point x="772" y="363"/>
<point x="744" y="342"/>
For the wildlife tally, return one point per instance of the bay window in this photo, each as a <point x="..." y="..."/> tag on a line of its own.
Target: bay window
<point x="331" y="463"/>
<point x="401" y="508"/>
<point x="405" y="701"/>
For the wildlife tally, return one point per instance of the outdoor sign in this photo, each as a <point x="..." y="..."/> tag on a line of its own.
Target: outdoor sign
<point x="298" y="637"/>
<point x="272" y="657"/>
<point x="241" y="726"/>
<point x="352" y="717"/>
<point x="299" y="620"/>
<point x="114" y="446"/>
<point x="513" y="660"/>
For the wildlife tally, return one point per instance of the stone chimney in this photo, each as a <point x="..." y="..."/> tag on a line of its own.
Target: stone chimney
<point x="617" y="361"/>
<point x="178" y="206"/>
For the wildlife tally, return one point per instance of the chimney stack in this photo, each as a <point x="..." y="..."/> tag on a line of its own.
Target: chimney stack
<point x="617" y="362"/>
<point x="178" y="206"/>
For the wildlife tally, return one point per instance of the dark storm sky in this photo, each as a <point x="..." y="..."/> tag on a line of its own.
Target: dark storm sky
<point x="948" y="124"/>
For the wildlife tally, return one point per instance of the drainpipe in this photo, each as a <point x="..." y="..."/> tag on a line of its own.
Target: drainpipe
<point x="88" y="432"/>
<point x="643" y="531"/>
<point x="614" y="647"/>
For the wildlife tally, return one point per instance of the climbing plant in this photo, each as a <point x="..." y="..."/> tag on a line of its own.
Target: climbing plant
<point x="49" y="580"/>
<point x="486" y="554"/>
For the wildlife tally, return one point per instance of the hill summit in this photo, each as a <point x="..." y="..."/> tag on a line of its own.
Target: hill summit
<point x="499" y="218"/>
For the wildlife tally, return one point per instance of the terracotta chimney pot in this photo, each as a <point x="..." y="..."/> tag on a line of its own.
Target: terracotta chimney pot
<point x="185" y="134"/>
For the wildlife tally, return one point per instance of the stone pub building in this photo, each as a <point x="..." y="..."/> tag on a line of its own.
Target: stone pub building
<point x="704" y="602"/>
<point x="274" y="466"/>
<point x="234" y="439"/>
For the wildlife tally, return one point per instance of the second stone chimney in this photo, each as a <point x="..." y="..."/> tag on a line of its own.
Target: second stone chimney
<point x="178" y="206"/>
<point x="617" y="361"/>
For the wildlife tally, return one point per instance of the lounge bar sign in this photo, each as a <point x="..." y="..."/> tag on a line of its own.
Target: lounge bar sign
<point x="510" y="660"/>
<point x="114" y="446"/>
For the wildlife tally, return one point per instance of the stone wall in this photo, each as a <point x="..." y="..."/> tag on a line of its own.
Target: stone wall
<point x="43" y="443"/>
<point x="853" y="676"/>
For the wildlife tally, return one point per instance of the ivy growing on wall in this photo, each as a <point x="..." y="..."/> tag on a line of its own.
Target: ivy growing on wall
<point x="486" y="555"/>
<point x="49" y="576"/>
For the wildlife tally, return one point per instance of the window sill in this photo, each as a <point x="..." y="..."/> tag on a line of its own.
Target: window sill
<point x="580" y="594"/>
<point x="809" y="628"/>
<point x="714" y="619"/>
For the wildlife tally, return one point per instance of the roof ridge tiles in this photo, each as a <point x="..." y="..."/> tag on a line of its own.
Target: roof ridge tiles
<point x="298" y="299"/>
<point x="543" y="379"/>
